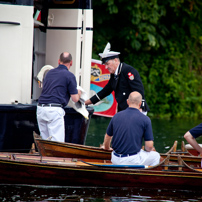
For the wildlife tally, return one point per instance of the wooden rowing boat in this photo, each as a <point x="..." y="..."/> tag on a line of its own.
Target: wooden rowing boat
<point x="189" y="156"/>
<point x="191" y="150"/>
<point x="69" y="150"/>
<point x="38" y="170"/>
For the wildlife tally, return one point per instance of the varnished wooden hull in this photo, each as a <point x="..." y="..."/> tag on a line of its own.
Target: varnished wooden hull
<point x="36" y="170"/>
<point x="194" y="161"/>
<point x="69" y="150"/>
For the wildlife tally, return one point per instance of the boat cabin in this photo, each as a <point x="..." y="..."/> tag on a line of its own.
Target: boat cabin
<point x="33" y="33"/>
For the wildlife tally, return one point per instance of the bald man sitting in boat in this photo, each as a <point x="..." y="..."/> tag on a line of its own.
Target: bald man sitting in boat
<point x="126" y="131"/>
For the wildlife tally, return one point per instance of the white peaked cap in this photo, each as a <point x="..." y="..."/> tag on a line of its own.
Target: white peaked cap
<point x="107" y="54"/>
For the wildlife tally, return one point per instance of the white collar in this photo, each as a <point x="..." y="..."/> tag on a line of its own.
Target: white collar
<point x="117" y="70"/>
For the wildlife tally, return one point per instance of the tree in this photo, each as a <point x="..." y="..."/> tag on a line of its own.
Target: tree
<point x="163" y="41"/>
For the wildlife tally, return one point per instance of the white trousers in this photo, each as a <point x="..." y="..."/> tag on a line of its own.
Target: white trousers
<point x="141" y="158"/>
<point x="51" y="123"/>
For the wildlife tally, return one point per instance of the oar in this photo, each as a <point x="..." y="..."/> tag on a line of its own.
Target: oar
<point x="116" y="166"/>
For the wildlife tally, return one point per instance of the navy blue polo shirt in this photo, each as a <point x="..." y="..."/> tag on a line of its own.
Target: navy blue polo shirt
<point x="196" y="131"/>
<point x="128" y="128"/>
<point x="59" y="84"/>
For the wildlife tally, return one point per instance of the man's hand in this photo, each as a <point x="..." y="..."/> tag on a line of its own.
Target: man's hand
<point x="79" y="93"/>
<point x="88" y="102"/>
<point x="106" y="143"/>
<point x="103" y="147"/>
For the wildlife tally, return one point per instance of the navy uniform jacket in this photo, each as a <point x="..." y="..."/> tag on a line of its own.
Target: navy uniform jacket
<point x="128" y="81"/>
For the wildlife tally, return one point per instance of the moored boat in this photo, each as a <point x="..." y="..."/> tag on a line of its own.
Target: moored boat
<point x="31" y="29"/>
<point x="38" y="170"/>
<point x="69" y="150"/>
<point x="191" y="150"/>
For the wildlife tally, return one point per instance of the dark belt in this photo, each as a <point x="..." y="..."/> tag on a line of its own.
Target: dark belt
<point x="123" y="155"/>
<point x="50" y="105"/>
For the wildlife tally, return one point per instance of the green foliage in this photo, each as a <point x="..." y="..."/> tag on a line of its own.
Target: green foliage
<point x="163" y="41"/>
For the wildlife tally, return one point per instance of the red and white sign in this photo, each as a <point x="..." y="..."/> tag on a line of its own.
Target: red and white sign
<point x="99" y="78"/>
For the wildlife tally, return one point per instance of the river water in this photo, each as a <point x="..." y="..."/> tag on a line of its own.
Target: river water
<point x="165" y="133"/>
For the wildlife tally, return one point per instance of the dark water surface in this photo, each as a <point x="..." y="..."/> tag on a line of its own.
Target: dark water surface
<point x="165" y="133"/>
<point x="90" y="194"/>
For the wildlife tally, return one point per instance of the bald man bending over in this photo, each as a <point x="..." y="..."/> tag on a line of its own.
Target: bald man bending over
<point x="59" y="85"/>
<point x="128" y="129"/>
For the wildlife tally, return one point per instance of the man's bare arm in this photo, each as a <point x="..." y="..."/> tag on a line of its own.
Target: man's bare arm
<point x="192" y="141"/>
<point x="149" y="146"/>
<point x="76" y="97"/>
<point x="107" y="142"/>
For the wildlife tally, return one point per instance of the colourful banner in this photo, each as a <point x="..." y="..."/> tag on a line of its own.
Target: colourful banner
<point x="99" y="78"/>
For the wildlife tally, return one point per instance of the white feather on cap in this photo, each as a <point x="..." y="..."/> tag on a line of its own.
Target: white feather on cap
<point x="106" y="50"/>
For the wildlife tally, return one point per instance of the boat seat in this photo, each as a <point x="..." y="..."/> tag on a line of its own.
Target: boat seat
<point x="188" y="146"/>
